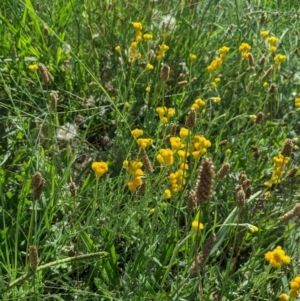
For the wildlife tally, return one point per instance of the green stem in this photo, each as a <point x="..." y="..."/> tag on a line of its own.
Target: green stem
<point x="180" y="244"/>
<point x="54" y="263"/>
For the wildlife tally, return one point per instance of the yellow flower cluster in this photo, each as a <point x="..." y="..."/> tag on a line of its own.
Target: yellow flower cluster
<point x="144" y="142"/>
<point x="199" y="103"/>
<point x="279" y="165"/>
<point x="277" y="257"/>
<point x="100" y="168"/>
<point x="134" y="168"/>
<point x="33" y="67"/>
<point x="272" y="41"/>
<point x="264" y="33"/>
<point x="216" y="63"/>
<point x="244" y="48"/>
<point x="278" y="59"/>
<point x="148" y="36"/>
<point x="177" y="180"/>
<point x="149" y="66"/>
<point x="297" y="102"/>
<point x="165" y="113"/>
<point x="137" y="133"/>
<point x="138" y="31"/>
<point x="161" y="51"/>
<point x="165" y="156"/>
<point x="133" y="52"/>
<point x="217" y="99"/>
<point x="200" y="145"/>
<point x="215" y="82"/>
<point x="294" y="287"/>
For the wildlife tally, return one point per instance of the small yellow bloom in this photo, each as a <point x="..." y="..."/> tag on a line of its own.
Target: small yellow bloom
<point x="192" y="56"/>
<point x="170" y="112"/>
<point x="148" y="89"/>
<point x="294" y="285"/>
<point x="100" y="168"/>
<point x="272" y="48"/>
<point x="284" y="297"/>
<point x="297" y="279"/>
<point x="152" y="210"/>
<point x="148" y="36"/>
<point x="253" y="229"/>
<point x="149" y="66"/>
<point x="184" y="132"/>
<point x="217" y="80"/>
<point x="137" y="133"/>
<point x="244" y="47"/>
<point x="118" y="48"/>
<point x="127" y="105"/>
<point x="213" y="84"/>
<point x="33" y="67"/>
<point x="223" y="50"/>
<point x="217" y="100"/>
<point x="245" y="55"/>
<point x="137" y="25"/>
<point x="144" y="142"/>
<point x="196" y="226"/>
<point x="293" y="293"/>
<point x="272" y="40"/>
<point x="266" y="84"/>
<point x="228" y="151"/>
<point x="167" y="194"/>
<point x="252" y="117"/>
<point x="264" y="33"/>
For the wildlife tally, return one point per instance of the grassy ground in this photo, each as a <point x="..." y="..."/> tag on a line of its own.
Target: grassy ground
<point x="110" y="189"/>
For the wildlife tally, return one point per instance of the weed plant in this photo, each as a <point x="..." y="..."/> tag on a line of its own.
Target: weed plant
<point x="149" y="150"/>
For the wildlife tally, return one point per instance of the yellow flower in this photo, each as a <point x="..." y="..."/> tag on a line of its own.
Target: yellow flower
<point x="137" y="133"/>
<point x="223" y="50"/>
<point x="184" y="132"/>
<point x="137" y="25"/>
<point x="127" y="105"/>
<point x="245" y="55"/>
<point x="297" y="279"/>
<point x="196" y="226"/>
<point x="192" y="56"/>
<point x="148" y="89"/>
<point x="253" y="229"/>
<point x="297" y="102"/>
<point x="171" y="112"/>
<point x="272" y="40"/>
<point x="279" y="58"/>
<point x="165" y="156"/>
<point x="277" y="257"/>
<point x="152" y="210"/>
<point x="228" y="151"/>
<point x="217" y="80"/>
<point x="33" y="67"/>
<point x="264" y="33"/>
<point x="144" y="142"/>
<point x="293" y="293"/>
<point x="167" y="194"/>
<point x="294" y="285"/>
<point x="100" y="168"/>
<point x="244" y="47"/>
<point x="272" y="48"/>
<point x="118" y="48"/>
<point x="198" y="104"/>
<point x="148" y="36"/>
<point x="149" y="66"/>
<point x="265" y="84"/>
<point x="252" y="117"/>
<point x="217" y="100"/>
<point x="284" y="297"/>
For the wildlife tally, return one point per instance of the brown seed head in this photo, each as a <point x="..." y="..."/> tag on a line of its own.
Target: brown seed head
<point x="53" y="100"/>
<point x="191" y="119"/>
<point x="146" y="161"/>
<point x="203" y="254"/>
<point x="33" y="258"/>
<point x="272" y="88"/>
<point x="165" y="73"/>
<point x="73" y="188"/>
<point x="205" y="181"/>
<point x="223" y="170"/>
<point x="46" y="75"/>
<point x="192" y="201"/>
<point x="251" y="59"/>
<point x="259" y="117"/>
<point x="292" y="172"/>
<point x="287" y="148"/>
<point x="223" y="142"/>
<point x="267" y="74"/>
<point x="37" y="184"/>
<point x="240" y="197"/>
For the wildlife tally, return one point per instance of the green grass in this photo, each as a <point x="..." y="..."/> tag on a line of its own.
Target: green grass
<point x="102" y="242"/>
